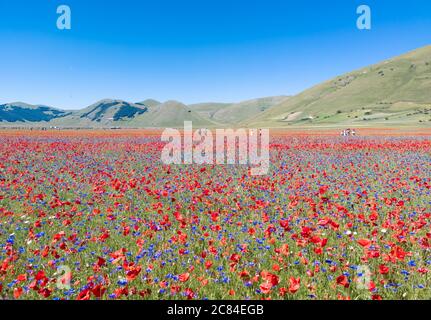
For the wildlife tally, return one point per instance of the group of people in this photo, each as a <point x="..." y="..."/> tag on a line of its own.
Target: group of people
<point x="348" y="132"/>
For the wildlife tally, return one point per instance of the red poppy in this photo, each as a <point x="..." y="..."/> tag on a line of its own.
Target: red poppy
<point x="343" y="281"/>
<point x="98" y="291"/>
<point x="364" y="242"/>
<point x="265" y="287"/>
<point x="294" y="284"/>
<point x="383" y="269"/>
<point x="22" y="277"/>
<point x="184" y="277"/>
<point x="17" y="292"/>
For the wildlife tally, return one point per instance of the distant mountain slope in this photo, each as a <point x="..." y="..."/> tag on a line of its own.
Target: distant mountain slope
<point x="23" y="112"/>
<point x="236" y="113"/>
<point x="396" y="91"/>
<point x="170" y="114"/>
<point x="102" y="113"/>
<point x="209" y="109"/>
<point x="149" y="103"/>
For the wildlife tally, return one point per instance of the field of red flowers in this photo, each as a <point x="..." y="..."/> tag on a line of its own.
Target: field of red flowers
<point x="96" y="215"/>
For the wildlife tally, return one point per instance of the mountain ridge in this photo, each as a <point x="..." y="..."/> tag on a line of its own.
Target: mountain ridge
<point x="393" y="92"/>
<point x="396" y="90"/>
<point x="24" y="112"/>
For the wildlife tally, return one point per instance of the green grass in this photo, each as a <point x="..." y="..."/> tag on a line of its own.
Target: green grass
<point x="390" y="89"/>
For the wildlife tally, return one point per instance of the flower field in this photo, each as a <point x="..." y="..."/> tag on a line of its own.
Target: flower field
<point x="96" y="215"/>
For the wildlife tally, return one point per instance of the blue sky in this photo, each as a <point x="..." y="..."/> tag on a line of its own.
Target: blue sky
<point x="194" y="50"/>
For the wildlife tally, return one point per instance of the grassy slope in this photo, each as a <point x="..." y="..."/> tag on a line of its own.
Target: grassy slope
<point x="236" y="113"/>
<point x="393" y="92"/>
<point x="149" y="103"/>
<point x="169" y="114"/>
<point x="101" y="114"/>
<point x="19" y="112"/>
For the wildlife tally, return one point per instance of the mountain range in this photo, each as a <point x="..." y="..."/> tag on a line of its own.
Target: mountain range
<point x="395" y="92"/>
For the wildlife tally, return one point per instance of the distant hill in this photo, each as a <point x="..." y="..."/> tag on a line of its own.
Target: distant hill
<point x="118" y="113"/>
<point x="102" y="113"/>
<point x="23" y="112"/>
<point x="236" y="113"/>
<point x="149" y="103"/>
<point x="394" y="92"/>
<point x="170" y="114"/>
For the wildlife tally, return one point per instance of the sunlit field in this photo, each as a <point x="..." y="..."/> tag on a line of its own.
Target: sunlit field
<point x="335" y="218"/>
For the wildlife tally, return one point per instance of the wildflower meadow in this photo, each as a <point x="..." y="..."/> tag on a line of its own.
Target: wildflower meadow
<point x="97" y="215"/>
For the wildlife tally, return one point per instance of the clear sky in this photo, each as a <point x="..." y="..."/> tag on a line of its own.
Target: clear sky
<point x="194" y="50"/>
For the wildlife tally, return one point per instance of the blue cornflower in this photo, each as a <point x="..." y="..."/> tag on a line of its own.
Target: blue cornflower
<point x="122" y="282"/>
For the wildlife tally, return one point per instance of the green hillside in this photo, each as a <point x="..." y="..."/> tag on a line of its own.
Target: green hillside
<point x="19" y="112"/>
<point x="236" y="113"/>
<point x="394" y="92"/>
<point x="149" y="103"/>
<point x="101" y="114"/>
<point x="169" y="114"/>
